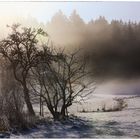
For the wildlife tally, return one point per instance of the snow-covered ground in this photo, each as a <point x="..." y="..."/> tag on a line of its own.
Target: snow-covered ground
<point x="119" y="124"/>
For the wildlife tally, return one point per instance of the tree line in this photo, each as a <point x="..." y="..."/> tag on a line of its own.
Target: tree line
<point x="112" y="48"/>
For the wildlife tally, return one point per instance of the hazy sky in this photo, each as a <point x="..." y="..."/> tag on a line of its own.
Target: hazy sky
<point x="43" y="11"/>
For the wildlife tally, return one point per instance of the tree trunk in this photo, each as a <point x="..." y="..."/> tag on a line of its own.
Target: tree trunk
<point x="40" y="106"/>
<point x="42" y="109"/>
<point x="58" y="116"/>
<point x="63" y="112"/>
<point x="27" y="100"/>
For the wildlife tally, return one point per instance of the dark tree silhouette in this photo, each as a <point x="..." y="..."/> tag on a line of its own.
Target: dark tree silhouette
<point x="20" y="49"/>
<point x="59" y="83"/>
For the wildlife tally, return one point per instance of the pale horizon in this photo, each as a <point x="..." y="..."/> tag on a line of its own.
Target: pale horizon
<point x="44" y="11"/>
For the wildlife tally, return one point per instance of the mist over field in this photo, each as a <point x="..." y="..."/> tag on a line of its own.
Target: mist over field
<point x="112" y="48"/>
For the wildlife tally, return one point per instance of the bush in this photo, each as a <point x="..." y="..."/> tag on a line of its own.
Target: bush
<point x="121" y="104"/>
<point x="13" y="117"/>
<point x="4" y="123"/>
<point x="12" y="114"/>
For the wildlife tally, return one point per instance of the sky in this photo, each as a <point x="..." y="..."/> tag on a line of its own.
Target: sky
<point x="43" y="11"/>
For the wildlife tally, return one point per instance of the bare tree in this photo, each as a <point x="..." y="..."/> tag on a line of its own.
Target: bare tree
<point x="20" y="49"/>
<point x="59" y="83"/>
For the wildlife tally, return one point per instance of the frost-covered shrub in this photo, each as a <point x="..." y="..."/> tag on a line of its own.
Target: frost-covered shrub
<point x="4" y="123"/>
<point x="117" y="105"/>
<point x="12" y="113"/>
<point x="11" y="110"/>
<point x="121" y="104"/>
